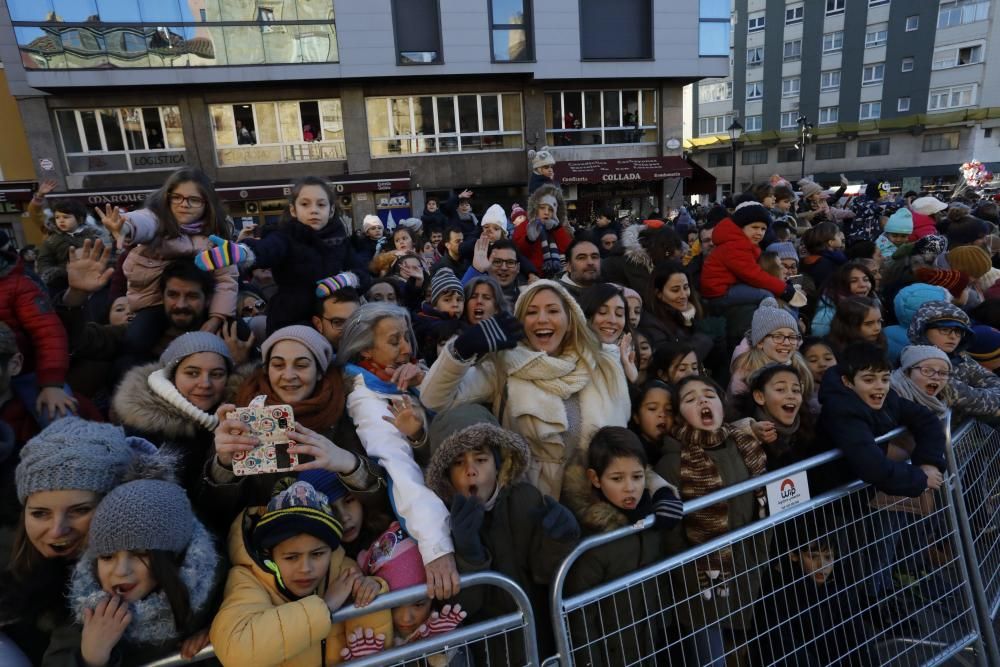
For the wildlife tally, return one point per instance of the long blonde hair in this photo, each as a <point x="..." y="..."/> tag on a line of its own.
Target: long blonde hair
<point x="755" y="359"/>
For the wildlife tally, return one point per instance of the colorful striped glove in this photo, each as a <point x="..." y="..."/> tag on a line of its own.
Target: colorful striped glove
<point x="361" y="643"/>
<point x="225" y="253"/>
<point x="328" y="286"/>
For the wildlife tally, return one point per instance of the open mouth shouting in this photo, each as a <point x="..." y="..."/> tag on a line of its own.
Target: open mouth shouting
<point x="875" y="399"/>
<point x="932" y="387"/>
<point x="707" y="416"/>
<point x="65" y="547"/>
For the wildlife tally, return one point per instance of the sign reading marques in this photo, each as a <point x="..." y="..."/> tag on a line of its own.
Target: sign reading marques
<point x="622" y="170"/>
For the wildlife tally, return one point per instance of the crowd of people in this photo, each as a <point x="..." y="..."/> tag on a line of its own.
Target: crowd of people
<point x="458" y="393"/>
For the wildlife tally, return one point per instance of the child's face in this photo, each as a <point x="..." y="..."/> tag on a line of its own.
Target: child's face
<point x="120" y="312"/>
<point x="683" y="367"/>
<point x="545" y="212"/>
<point x="779" y="345"/>
<point x="375" y="232"/>
<point x="634" y="311"/>
<point x="816" y="563"/>
<point x="492" y="232"/>
<point x="645" y="351"/>
<point x="473" y="473"/>
<point x="312" y="207"/>
<point x="897" y="239"/>
<point x="602" y="221"/>
<point x="412" y="266"/>
<point x="187" y="203"/>
<point x="871" y="386"/>
<point x="350" y="513"/>
<point x="939" y="372"/>
<point x="655" y="416"/>
<point x="382" y="292"/>
<point x="755" y="231"/>
<point x="859" y="283"/>
<point x="837" y="243"/>
<point x="609" y="320"/>
<point x="819" y="358"/>
<point x="403" y="241"/>
<point x="432" y="205"/>
<point x="482" y="304"/>
<point x="408" y="618"/>
<point x="701" y="406"/>
<point x="945" y="339"/>
<point x="201" y="379"/>
<point x="303" y="561"/>
<point x="622" y="482"/>
<point x="65" y="222"/>
<point x="451" y="304"/>
<point x="871" y="326"/>
<point x="548" y="171"/>
<point x="781" y="397"/>
<point x="783" y="205"/>
<point x="125" y="574"/>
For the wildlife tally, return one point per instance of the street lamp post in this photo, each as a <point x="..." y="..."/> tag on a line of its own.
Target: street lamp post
<point x="735" y="131"/>
<point x="805" y="134"/>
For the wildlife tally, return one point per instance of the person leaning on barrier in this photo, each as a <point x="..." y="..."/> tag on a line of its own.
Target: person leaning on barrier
<point x="859" y="406"/>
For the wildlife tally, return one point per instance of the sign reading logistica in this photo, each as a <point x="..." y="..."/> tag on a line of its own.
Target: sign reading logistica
<point x="787" y="492"/>
<point x="621" y="171"/>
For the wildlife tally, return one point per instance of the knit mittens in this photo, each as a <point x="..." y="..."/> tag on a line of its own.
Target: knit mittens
<point x="328" y="286"/>
<point x="224" y="253"/>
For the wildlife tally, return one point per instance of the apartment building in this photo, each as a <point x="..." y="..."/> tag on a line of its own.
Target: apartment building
<point x="907" y="89"/>
<point x="391" y="100"/>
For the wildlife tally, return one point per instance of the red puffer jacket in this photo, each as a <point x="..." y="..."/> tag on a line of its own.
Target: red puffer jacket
<point x="41" y="338"/>
<point x="734" y="261"/>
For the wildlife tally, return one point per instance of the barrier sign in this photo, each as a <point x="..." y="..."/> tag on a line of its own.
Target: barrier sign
<point x="787" y="492"/>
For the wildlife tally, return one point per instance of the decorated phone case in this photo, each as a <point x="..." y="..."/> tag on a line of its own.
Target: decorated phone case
<point x="270" y="424"/>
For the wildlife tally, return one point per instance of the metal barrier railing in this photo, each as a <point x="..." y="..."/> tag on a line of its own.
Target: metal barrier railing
<point x="506" y="640"/>
<point x="850" y="576"/>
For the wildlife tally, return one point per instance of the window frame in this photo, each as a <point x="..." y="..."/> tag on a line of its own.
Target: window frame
<point x="796" y="53"/>
<point x="916" y="27"/>
<point x="756" y="62"/>
<point x="833" y="39"/>
<point x="908" y="60"/>
<point x="721" y="122"/>
<point x="822" y="150"/>
<point x="756" y="22"/>
<point x="876" y="42"/>
<point x="785" y="154"/>
<point x="877" y="3"/>
<point x="795" y="14"/>
<point x="949" y="92"/>
<point x="830" y="86"/>
<point x="955" y="52"/>
<point x="727" y="92"/>
<point x="874" y="68"/>
<point x="641" y="127"/>
<point x="835" y="7"/>
<point x="760" y="156"/>
<point x="797" y="87"/>
<point x="757" y="125"/>
<point x="790" y="114"/>
<point x="899" y="104"/>
<point x="933" y="136"/>
<point x="955" y="8"/>
<point x="871" y="105"/>
<point x="835" y="111"/>
<point x="881" y="141"/>
<point x="529" y="32"/>
<point x="396" y="32"/>
<point x="758" y="86"/>
<point x="127" y="152"/>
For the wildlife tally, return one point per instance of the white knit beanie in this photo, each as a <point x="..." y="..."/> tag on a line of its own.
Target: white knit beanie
<point x="370" y="222"/>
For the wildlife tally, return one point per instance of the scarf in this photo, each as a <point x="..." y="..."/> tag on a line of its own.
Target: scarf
<point x="688" y="314"/>
<point x="193" y="228"/>
<point x="319" y="412"/>
<point x="786" y="434"/>
<point x="905" y="387"/>
<point x="379" y="371"/>
<point x="167" y="390"/>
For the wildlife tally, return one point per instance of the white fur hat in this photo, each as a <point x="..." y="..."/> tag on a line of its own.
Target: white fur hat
<point x="541" y="158"/>
<point x="495" y="215"/>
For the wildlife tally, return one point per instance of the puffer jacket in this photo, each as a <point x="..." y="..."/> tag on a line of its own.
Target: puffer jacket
<point x="54" y="252"/>
<point x="976" y="390"/>
<point x="733" y="262"/>
<point x="559" y="236"/>
<point x="146" y="262"/>
<point x="261" y="624"/>
<point x="41" y="338"/>
<point x="299" y="256"/>
<point x="905" y="305"/>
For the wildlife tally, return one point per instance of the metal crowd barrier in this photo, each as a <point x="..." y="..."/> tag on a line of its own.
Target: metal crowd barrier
<point x="849" y="577"/>
<point x="505" y="640"/>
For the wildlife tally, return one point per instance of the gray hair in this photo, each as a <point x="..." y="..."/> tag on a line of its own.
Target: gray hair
<point x="359" y="332"/>
<point x="494" y="284"/>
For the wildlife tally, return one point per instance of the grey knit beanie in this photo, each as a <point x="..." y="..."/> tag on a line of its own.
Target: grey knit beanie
<point x="190" y="343"/>
<point x="768" y="317"/>
<point x="444" y="281"/>
<point x="784" y="250"/>
<point x="144" y="515"/>
<point x="73" y="453"/>
<point x="914" y="354"/>
<point x="312" y="339"/>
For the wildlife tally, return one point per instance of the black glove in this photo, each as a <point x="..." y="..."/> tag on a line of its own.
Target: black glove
<point x="466" y="519"/>
<point x="500" y="332"/>
<point x="667" y="507"/>
<point x="558" y="522"/>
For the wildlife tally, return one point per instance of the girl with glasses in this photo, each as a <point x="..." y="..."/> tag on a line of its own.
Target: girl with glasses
<point x="773" y="338"/>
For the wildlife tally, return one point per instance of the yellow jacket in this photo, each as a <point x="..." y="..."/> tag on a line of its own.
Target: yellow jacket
<point x="257" y="625"/>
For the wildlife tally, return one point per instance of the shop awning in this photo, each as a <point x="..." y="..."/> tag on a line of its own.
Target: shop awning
<point x="19" y="191"/>
<point x="700" y="182"/>
<point x="622" y="170"/>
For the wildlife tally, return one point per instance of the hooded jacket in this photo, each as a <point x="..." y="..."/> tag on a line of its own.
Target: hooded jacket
<point x="976" y="390"/>
<point x="734" y="261"/>
<point x="263" y="625"/>
<point x="41" y="338"/>
<point x="559" y="235"/>
<point x="847" y="422"/>
<point x="905" y="305"/>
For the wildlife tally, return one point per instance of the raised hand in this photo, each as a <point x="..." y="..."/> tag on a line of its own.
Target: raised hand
<point x="500" y="332"/>
<point x="87" y="267"/>
<point x="407" y="375"/>
<point x="111" y="217"/>
<point x="103" y="628"/>
<point x="45" y="187"/>
<point x="326" y="455"/>
<point x="480" y="262"/>
<point x="231" y="436"/>
<point x="238" y="349"/>
<point x="361" y="643"/>
<point x="446" y="621"/>
<point x="223" y="253"/>
<point x="405" y="417"/>
<point x="328" y="286"/>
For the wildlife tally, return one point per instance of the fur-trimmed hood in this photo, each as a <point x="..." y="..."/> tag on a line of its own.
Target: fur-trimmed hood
<point x="595" y="514"/>
<point x="141" y="408"/>
<point x="152" y="618"/>
<point x="634" y="252"/>
<point x="536" y="197"/>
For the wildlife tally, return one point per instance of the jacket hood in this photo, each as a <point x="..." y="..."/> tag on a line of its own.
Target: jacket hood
<point x="536" y="198"/>
<point x="728" y="231"/>
<point x="152" y="618"/>
<point x="595" y="514"/>
<point x="909" y="299"/>
<point x="464" y="428"/>
<point x="634" y="252"/>
<point x="934" y="311"/>
<point x="140" y="408"/>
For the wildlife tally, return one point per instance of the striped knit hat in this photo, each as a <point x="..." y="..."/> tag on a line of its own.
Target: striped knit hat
<point x="953" y="281"/>
<point x="444" y="281"/>
<point x="296" y="510"/>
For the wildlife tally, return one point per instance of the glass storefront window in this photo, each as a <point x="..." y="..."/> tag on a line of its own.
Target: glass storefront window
<point x="123" y="139"/>
<point x="594" y="117"/>
<point x="277" y="132"/>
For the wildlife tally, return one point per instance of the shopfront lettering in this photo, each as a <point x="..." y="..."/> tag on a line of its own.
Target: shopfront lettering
<point x="158" y="160"/>
<point x="621" y="177"/>
<point x="125" y="198"/>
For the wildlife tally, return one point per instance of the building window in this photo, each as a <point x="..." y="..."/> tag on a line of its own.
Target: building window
<point x="876" y="38"/>
<point x="903" y="104"/>
<point x="755" y="90"/>
<point x="833" y="41"/>
<point x="593" y="117"/>
<point x="753" y="123"/>
<point x="870" y="111"/>
<point x="954" y="97"/>
<point x="755" y="56"/>
<point x="633" y="21"/>
<point x="122" y="139"/>
<point x="719" y="91"/>
<point x="278" y="132"/>
<point x="789" y="154"/>
<point x="958" y="56"/>
<point x="829" y="80"/>
<point x="906" y="65"/>
<point x="793" y="49"/>
<point x="834" y="151"/>
<point x="713" y="28"/>
<point x="417" y="26"/>
<point x="444" y="123"/>
<point x="709" y="125"/>
<point x="720" y="159"/>
<point x="957" y="13"/>
<point x="790" y="86"/>
<point x="511" y="31"/>
<point x="873" y="74"/>
<point x="829" y="115"/>
<point x="794" y="14"/>
<point x="755" y="156"/>
<point x="941" y="141"/>
<point x="835" y="7"/>
<point x="788" y="119"/>
<point x="912" y="23"/>
<point x="755" y="23"/>
<point x="877" y="3"/>
<point x="873" y="147"/>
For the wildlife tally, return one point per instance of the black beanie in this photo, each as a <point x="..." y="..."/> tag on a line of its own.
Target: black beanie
<point x="750" y="212"/>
